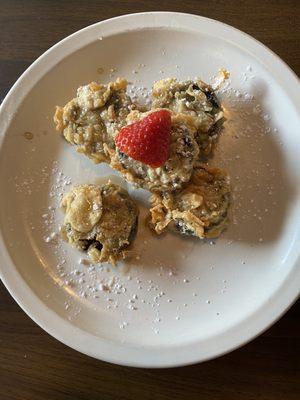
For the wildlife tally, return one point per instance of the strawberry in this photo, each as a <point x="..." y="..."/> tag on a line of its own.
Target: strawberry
<point x="147" y="140"/>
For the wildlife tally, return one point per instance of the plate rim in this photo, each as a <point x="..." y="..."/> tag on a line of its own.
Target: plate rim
<point x="63" y="330"/>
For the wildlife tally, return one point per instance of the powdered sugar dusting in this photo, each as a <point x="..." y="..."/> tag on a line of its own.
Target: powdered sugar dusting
<point x="152" y="287"/>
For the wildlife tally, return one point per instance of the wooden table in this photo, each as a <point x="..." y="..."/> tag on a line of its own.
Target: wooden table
<point x="33" y="365"/>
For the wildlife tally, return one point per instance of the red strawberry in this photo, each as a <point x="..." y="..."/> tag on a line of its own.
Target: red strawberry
<point x="147" y="140"/>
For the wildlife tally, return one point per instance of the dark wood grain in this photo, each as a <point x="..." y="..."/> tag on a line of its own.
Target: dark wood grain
<point x="33" y="365"/>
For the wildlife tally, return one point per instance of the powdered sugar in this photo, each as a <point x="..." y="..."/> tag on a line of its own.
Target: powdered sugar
<point x="159" y="289"/>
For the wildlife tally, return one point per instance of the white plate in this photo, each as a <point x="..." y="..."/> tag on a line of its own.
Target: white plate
<point x="195" y="300"/>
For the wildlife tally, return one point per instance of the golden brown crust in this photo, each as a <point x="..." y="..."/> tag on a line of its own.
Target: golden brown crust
<point x="187" y="196"/>
<point x="195" y="99"/>
<point x="101" y="220"/>
<point x="200" y="209"/>
<point x="92" y="119"/>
